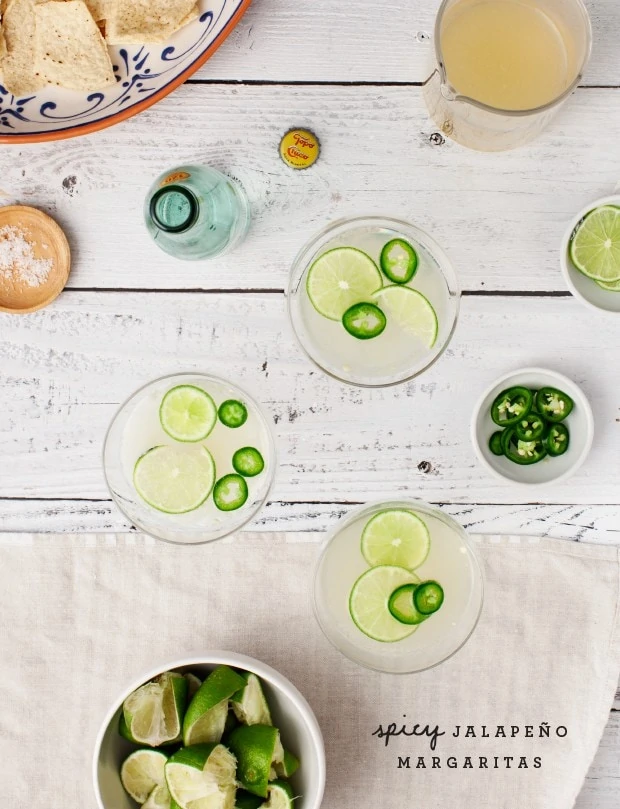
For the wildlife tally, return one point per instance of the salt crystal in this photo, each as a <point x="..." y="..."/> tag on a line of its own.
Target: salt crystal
<point x="18" y="263"/>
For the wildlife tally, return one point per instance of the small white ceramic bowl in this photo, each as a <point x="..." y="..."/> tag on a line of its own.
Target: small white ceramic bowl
<point x="582" y="287"/>
<point x="291" y="714"/>
<point x="550" y="470"/>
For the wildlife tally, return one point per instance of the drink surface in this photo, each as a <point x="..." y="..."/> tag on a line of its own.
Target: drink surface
<point x="450" y="562"/>
<point x="196" y="212"/>
<point x="394" y="355"/>
<point x="508" y="54"/>
<point x="142" y="431"/>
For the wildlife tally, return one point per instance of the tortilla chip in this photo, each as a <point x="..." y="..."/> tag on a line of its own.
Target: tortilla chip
<point x="18" y="65"/>
<point x="142" y="21"/>
<point x="100" y="9"/>
<point x="70" y="50"/>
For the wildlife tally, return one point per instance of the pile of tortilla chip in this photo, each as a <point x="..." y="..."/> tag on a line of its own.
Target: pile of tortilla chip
<point x="65" y="42"/>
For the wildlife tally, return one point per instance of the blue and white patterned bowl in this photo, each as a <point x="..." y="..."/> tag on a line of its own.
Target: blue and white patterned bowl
<point x="144" y="74"/>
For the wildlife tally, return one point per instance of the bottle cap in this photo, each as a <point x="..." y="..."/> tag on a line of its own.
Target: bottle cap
<point x="299" y="148"/>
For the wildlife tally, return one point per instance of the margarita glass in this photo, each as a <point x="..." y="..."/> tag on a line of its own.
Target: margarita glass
<point x="373" y="301"/>
<point x="360" y="568"/>
<point x="189" y="458"/>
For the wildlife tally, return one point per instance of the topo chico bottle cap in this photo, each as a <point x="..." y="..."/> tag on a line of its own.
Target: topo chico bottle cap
<point x="299" y="148"/>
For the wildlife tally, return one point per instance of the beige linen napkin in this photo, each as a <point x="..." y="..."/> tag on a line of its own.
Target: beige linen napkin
<point x="83" y="615"/>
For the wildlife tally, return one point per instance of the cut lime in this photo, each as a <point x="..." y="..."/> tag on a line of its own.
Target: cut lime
<point x="396" y="537"/>
<point x="202" y="777"/>
<point x="410" y="310"/>
<point x="249" y="704"/>
<point x="364" y="321"/>
<point x="288" y="766"/>
<point x="369" y="603"/>
<point x="595" y="245"/>
<point x="175" y="479"/>
<point x="401" y="605"/>
<point x="339" y="278"/>
<point x="187" y="413"/>
<point x="205" y="718"/>
<point x="610" y="286"/>
<point x="399" y="261"/>
<point x="193" y="684"/>
<point x="142" y="772"/>
<point x="248" y="462"/>
<point x="154" y="712"/>
<point x="245" y="800"/>
<point x="233" y="413"/>
<point x="256" y="747"/>
<point x="280" y="796"/>
<point x="159" y="799"/>
<point x="230" y="493"/>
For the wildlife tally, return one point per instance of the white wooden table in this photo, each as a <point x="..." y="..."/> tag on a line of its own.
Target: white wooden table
<point x="351" y="72"/>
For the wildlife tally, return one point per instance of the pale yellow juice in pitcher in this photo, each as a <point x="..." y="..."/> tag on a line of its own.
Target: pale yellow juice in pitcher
<point x="508" y="54"/>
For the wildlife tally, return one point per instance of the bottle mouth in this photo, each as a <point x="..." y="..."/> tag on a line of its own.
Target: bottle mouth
<point x="174" y="209"/>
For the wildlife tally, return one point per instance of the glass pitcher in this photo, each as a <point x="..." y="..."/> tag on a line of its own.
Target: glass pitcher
<point x="494" y="125"/>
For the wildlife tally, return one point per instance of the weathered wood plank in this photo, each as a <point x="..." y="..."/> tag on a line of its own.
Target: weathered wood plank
<point x="499" y="216"/>
<point x="364" y="40"/>
<point x="64" y="370"/>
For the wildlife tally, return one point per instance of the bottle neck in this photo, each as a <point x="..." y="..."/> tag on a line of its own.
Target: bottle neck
<point x="174" y="209"/>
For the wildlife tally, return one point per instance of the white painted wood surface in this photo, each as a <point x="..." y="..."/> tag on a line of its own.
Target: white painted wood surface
<point x="347" y="71"/>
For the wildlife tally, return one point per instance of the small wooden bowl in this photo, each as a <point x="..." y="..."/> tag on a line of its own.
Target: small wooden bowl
<point x="49" y="242"/>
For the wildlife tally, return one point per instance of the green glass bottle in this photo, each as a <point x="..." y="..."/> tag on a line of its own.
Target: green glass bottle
<point x="196" y="212"/>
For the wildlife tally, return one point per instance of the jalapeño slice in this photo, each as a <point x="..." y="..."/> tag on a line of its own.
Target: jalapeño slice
<point x="428" y="597"/>
<point x="521" y="452"/>
<point x="495" y="443"/>
<point x="512" y="405"/>
<point x="558" y="440"/>
<point x="399" y="261"/>
<point x="530" y="428"/>
<point x="554" y="404"/>
<point x="364" y="321"/>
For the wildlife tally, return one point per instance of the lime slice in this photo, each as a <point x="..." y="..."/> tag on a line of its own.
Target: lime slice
<point x="339" y="278"/>
<point x="410" y="310"/>
<point x="288" y="766"/>
<point x="396" y="537"/>
<point x="369" y="603"/>
<point x="610" y="286"/>
<point x="193" y="684"/>
<point x="399" y="261"/>
<point x="175" y="479"/>
<point x="154" y="712"/>
<point x="187" y="413"/>
<point x="158" y="799"/>
<point x="202" y="777"/>
<point x="142" y="772"/>
<point x="205" y="718"/>
<point x="280" y="796"/>
<point x="249" y="704"/>
<point x="595" y="245"/>
<point x="256" y="747"/>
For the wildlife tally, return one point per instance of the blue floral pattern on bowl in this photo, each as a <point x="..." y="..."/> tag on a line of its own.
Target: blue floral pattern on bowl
<point x="141" y="71"/>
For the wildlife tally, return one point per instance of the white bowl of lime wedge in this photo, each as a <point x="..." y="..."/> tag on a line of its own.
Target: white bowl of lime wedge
<point x="212" y="723"/>
<point x="590" y="255"/>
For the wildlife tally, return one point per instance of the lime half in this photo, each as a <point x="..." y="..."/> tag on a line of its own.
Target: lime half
<point x="154" y="712"/>
<point x="187" y="413"/>
<point x="340" y="278"/>
<point x="396" y="537"/>
<point x="249" y="704"/>
<point x="410" y="310"/>
<point x="288" y="766"/>
<point x="257" y="748"/>
<point x="158" y="799"/>
<point x="595" y="245"/>
<point x="205" y="718"/>
<point x="369" y="603"/>
<point x="142" y="772"/>
<point x="202" y="777"/>
<point x="175" y="479"/>
<point x="281" y="796"/>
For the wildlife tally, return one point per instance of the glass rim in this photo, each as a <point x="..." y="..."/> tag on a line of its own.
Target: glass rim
<point x="273" y="449"/>
<point x="441" y="69"/>
<point x="412" y="503"/>
<point x="300" y="263"/>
